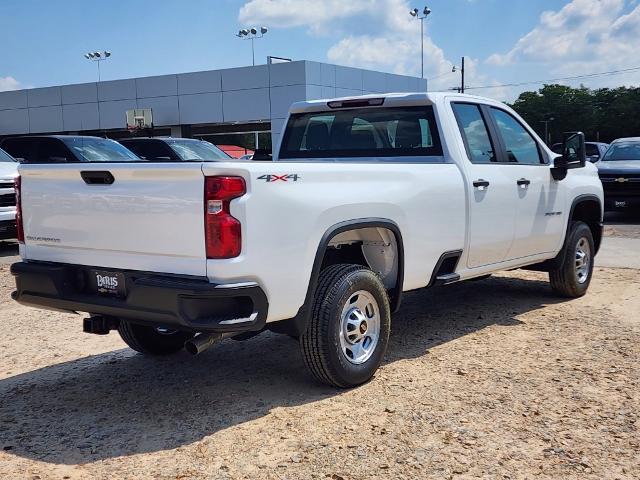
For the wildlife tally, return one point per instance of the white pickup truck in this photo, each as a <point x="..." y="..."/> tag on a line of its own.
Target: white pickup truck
<point x="366" y="198"/>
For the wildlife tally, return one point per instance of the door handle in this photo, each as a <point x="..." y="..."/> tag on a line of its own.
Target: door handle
<point x="481" y="184"/>
<point x="523" y="182"/>
<point x="97" y="177"/>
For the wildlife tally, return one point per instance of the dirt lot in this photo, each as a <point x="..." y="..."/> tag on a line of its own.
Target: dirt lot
<point x="491" y="379"/>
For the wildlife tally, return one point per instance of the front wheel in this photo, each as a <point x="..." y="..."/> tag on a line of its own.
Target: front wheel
<point x="571" y="279"/>
<point x="348" y="333"/>
<point x="152" y="340"/>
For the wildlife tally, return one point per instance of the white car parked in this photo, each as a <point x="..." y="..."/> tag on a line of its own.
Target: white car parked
<point x="367" y="198"/>
<point x="8" y="173"/>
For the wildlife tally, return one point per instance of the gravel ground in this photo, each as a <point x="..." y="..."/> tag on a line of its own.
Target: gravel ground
<point x="622" y="224"/>
<point x="491" y="379"/>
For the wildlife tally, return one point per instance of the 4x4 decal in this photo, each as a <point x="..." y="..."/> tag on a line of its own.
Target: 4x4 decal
<point x="294" y="177"/>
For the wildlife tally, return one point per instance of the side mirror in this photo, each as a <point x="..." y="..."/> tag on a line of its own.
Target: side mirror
<point x="573" y="155"/>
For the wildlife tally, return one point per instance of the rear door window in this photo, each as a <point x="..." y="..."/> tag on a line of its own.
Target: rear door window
<point x="50" y="150"/>
<point x="475" y="133"/>
<point x="151" y="150"/>
<point x="22" y="149"/>
<point x="363" y="132"/>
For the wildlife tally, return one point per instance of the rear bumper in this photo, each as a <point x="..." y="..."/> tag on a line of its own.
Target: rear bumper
<point x="187" y="303"/>
<point x="7" y="229"/>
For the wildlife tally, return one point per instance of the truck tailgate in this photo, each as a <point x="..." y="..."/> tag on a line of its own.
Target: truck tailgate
<point x="151" y="218"/>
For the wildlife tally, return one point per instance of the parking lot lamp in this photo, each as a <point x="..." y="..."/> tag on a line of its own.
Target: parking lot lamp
<point x="98" y="57"/>
<point x="416" y="14"/>
<point x="251" y="34"/>
<point x="461" y="70"/>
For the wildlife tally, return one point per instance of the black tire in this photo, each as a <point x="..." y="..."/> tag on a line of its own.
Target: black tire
<point x="150" y="341"/>
<point x="565" y="280"/>
<point x="320" y="342"/>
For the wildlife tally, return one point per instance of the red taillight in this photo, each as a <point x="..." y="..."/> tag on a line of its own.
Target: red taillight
<point x="19" y="225"/>
<point x="223" y="234"/>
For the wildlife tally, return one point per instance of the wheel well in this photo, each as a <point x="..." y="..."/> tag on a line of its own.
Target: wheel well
<point x="590" y="212"/>
<point x="373" y="247"/>
<point x="375" y="243"/>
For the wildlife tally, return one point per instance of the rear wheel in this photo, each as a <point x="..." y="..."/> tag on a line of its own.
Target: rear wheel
<point x="572" y="278"/>
<point x="152" y="340"/>
<point x="347" y="335"/>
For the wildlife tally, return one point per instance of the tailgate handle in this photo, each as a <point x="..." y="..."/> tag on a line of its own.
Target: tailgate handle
<point x="97" y="177"/>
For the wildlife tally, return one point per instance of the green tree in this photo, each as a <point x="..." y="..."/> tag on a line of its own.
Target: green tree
<point x="603" y="114"/>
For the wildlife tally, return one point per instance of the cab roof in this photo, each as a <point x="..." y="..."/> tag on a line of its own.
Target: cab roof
<point x="386" y="99"/>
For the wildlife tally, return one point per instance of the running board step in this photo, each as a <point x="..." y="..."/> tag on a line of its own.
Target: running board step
<point x="447" y="278"/>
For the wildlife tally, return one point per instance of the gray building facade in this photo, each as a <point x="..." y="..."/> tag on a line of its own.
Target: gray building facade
<point x="203" y="104"/>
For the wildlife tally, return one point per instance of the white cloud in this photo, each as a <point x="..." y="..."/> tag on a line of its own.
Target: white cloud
<point x="299" y="13"/>
<point x="9" y="83"/>
<point x="389" y="52"/>
<point x="585" y="36"/>
<point x="386" y="37"/>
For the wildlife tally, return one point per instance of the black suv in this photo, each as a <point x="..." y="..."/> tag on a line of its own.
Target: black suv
<point x="65" y="149"/>
<point x="619" y="172"/>
<point x="169" y="149"/>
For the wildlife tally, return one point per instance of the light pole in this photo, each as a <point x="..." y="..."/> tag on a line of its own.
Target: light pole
<point x="97" y="57"/>
<point x="416" y="14"/>
<point x="461" y="68"/>
<point x="252" y="34"/>
<point x="548" y="119"/>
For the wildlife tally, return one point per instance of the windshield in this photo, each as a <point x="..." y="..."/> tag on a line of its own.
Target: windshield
<point x="623" y="151"/>
<point x="4" y="157"/>
<point x="99" y="150"/>
<point x="197" y="150"/>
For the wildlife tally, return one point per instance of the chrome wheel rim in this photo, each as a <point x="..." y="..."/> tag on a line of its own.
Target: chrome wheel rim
<point x="582" y="260"/>
<point x="359" y="327"/>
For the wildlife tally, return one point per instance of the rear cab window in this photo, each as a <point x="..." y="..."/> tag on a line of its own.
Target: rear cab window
<point x="384" y="133"/>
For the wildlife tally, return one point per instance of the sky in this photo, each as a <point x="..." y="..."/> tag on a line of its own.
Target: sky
<point x="42" y="42"/>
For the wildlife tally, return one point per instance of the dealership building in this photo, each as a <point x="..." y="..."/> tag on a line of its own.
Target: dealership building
<point x="244" y="106"/>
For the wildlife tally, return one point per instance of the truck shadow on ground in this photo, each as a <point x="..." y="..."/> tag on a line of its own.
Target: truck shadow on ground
<point x="120" y="403"/>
